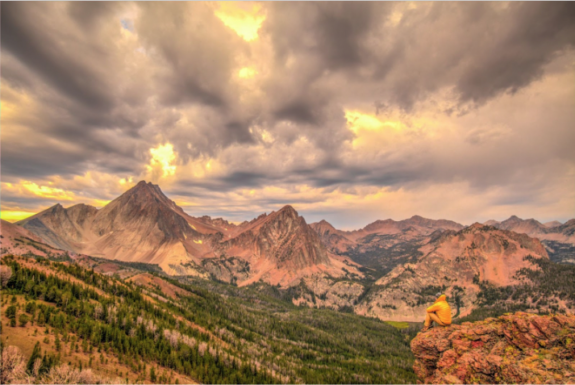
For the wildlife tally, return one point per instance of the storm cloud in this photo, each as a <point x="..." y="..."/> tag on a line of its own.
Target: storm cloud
<point x="351" y="111"/>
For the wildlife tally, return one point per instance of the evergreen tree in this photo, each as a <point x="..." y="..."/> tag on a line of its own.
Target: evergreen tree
<point x="36" y="353"/>
<point x="23" y="320"/>
<point x="57" y="343"/>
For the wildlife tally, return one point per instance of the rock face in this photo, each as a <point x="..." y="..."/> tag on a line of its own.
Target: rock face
<point x="516" y="348"/>
<point x="143" y="225"/>
<point x="452" y="262"/>
<point x="324" y="291"/>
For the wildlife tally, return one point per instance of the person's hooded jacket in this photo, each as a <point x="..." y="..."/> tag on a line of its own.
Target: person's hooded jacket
<point x="442" y="309"/>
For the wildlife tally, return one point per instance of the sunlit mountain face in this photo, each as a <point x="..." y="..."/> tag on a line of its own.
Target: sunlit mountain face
<point x="349" y="112"/>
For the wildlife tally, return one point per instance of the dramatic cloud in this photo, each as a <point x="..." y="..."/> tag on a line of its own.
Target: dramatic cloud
<point x="349" y="111"/>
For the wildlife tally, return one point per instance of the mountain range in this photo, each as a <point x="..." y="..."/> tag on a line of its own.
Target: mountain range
<point x="388" y="269"/>
<point x="143" y="225"/>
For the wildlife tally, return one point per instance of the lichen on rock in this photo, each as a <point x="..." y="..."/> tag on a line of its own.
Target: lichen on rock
<point x="514" y="348"/>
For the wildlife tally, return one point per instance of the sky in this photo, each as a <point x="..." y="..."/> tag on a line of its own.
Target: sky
<point x="350" y="112"/>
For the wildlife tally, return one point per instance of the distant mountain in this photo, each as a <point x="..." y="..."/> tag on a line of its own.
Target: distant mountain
<point x="383" y="244"/>
<point x="558" y="238"/>
<point x="453" y="263"/>
<point x="336" y="240"/>
<point x="525" y="226"/>
<point x="143" y="225"/>
<point x="552" y="224"/>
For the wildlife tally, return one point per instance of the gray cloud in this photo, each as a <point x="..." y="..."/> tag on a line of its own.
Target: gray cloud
<point x="57" y="64"/>
<point x="103" y="101"/>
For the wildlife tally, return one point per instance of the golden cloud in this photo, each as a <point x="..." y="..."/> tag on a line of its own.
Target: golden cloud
<point x="243" y="20"/>
<point x="163" y="158"/>
<point x="247" y="73"/>
<point x="27" y="188"/>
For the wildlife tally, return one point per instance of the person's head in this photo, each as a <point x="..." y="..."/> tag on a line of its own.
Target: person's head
<point x="441" y="297"/>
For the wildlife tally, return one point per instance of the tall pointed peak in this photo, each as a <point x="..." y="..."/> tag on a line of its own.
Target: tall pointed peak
<point x="288" y="209"/>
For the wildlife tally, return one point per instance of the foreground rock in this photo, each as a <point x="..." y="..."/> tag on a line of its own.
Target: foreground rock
<point x="517" y="348"/>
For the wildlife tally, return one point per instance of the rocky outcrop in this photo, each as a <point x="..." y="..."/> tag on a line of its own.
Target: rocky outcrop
<point x="514" y="348"/>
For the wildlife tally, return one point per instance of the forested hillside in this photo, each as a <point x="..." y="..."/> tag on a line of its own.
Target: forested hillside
<point x="152" y="329"/>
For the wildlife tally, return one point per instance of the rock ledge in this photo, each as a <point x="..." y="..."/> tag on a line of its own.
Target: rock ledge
<point x="514" y="348"/>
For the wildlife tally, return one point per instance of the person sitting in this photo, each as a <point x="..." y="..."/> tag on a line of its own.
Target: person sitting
<point x="439" y="312"/>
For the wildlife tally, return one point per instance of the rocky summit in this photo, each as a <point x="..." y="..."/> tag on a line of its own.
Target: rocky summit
<point x="514" y="348"/>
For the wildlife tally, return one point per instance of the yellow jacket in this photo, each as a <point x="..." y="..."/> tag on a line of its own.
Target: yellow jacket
<point x="442" y="309"/>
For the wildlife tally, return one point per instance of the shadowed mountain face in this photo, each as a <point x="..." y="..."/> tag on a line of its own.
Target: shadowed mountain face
<point x="17" y="240"/>
<point x="143" y="225"/>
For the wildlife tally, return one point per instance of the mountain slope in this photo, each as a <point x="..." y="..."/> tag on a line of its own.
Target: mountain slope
<point x="15" y="239"/>
<point x="454" y="263"/>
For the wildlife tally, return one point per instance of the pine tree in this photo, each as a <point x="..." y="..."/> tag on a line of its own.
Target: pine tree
<point x="36" y="353"/>
<point x="153" y="375"/>
<point x="57" y="343"/>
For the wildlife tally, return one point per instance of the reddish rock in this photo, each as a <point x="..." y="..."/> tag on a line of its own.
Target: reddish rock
<point x="515" y="348"/>
<point x="447" y="359"/>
